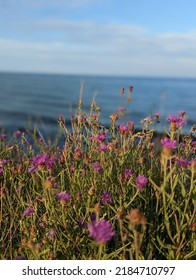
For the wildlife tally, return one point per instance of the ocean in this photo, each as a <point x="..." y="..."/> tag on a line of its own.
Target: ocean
<point x="39" y="99"/>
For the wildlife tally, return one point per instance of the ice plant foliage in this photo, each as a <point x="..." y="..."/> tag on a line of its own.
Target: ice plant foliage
<point x="101" y="231"/>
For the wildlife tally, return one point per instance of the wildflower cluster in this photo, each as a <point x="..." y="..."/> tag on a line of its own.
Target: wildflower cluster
<point x="104" y="193"/>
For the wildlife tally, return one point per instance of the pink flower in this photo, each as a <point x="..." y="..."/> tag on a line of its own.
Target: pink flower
<point x="97" y="167"/>
<point x="28" y="212"/>
<point x="3" y="136"/>
<point x="123" y="129"/>
<point x="17" y="133"/>
<point x="141" y="182"/>
<point x="128" y="173"/>
<point x="64" y="196"/>
<point x="130" y="125"/>
<point x="157" y="115"/>
<point x="106" y="198"/>
<point x="184" y="163"/>
<point x="176" y="121"/>
<point x="40" y="159"/>
<point x="101" y="231"/>
<point x="168" y="143"/>
<point x="100" y="137"/>
<point x="102" y="148"/>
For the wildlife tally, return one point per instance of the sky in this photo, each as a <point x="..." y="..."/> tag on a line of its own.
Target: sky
<point x="99" y="37"/>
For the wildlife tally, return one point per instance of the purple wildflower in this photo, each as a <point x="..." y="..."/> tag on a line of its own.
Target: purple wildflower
<point x="95" y="116"/>
<point x="18" y="190"/>
<point x="100" y="137"/>
<point x="72" y="169"/>
<point x="184" y="163"/>
<point x="130" y="125"/>
<point x="50" y="162"/>
<point x="106" y="198"/>
<point x="157" y="115"/>
<point x="102" y="148"/>
<point x="123" y="129"/>
<point x="168" y="143"/>
<point x="17" y="134"/>
<point x="176" y="121"/>
<point x="52" y="233"/>
<point x="141" y="182"/>
<point x="3" y="162"/>
<point x="97" y="167"/>
<point x="40" y="159"/>
<point x="128" y="173"/>
<point x="28" y="212"/>
<point x="3" y="136"/>
<point x="1" y="170"/>
<point x="64" y="196"/>
<point x="101" y="231"/>
<point x="32" y="169"/>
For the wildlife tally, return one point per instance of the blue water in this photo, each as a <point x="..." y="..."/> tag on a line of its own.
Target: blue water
<point x="41" y="98"/>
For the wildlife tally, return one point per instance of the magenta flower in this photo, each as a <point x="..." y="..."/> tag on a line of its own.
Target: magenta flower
<point x="157" y="115"/>
<point x="100" y="137"/>
<point x="97" y="167"/>
<point x="106" y="198"/>
<point x="102" y="148"/>
<point x="40" y="159"/>
<point x="130" y="125"/>
<point x="1" y="170"/>
<point x="128" y="173"/>
<point x="29" y="211"/>
<point x="64" y="196"/>
<point x="95" y="116"/>
<point x="32" y="169"/>
<point x="52" y="233"/>
<point x="3" y="162"/>
<point x="101" y="231"/>
<point x="184" y="163"/>
<point x="50" y="162"/>
<point x="176" y="121"/>
<point x="168" y="143"/>
<point x="141" y="182"/>
<point x="17" y="133"/>
<point x="123" y="129"/>
<point x="3" y="136"/>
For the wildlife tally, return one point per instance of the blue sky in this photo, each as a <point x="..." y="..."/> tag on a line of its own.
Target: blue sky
<point x="105" y="37"/>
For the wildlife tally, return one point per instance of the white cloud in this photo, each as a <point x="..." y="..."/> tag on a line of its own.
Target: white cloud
<point x="108" y="49"/>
